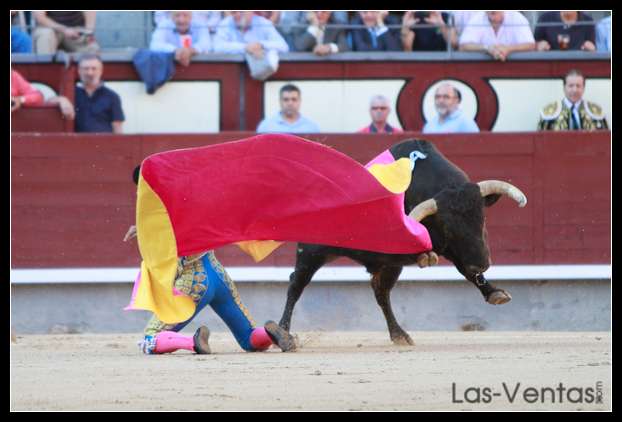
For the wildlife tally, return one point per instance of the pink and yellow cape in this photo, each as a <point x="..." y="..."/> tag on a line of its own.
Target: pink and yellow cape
<point x="257" y="193"/>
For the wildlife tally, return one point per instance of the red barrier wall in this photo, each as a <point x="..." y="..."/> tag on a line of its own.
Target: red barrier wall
<point x="241" y="99"/>
<point x="44" y="118"/>
<point x="73" y="196"/>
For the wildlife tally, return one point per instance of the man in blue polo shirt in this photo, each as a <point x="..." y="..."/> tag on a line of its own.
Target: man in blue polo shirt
<point x="450" y="118"/>
<point x="289" y="119"/>
<point x="98" y="108"/>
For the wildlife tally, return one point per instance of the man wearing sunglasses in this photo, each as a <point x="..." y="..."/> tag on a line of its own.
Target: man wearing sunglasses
<point x="379" y="110"/>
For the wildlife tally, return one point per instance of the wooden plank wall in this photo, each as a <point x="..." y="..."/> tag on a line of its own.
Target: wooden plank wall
<point x="73" y="196"/>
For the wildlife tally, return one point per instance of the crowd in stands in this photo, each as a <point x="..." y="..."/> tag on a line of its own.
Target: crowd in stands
<point x="328" y="32"/>
<point x="188" y="33"/>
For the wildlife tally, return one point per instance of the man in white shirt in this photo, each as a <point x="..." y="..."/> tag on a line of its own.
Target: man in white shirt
<point x="245" y="32"/>
<point x="185" y="39"/>
<point x="497" y="33"/>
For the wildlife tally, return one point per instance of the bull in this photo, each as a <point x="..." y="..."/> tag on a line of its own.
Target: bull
<point x="449" y="205"/>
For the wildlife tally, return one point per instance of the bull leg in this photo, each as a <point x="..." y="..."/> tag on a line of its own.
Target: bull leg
<point x="298" y="280"/>
<point x="382" y="282"/>
<point x="491" y="293"/>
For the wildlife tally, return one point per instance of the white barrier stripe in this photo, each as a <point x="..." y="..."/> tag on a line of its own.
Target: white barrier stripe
<point x="334" y="274"/>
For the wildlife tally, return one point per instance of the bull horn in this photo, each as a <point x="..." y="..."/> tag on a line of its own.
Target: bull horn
<point x="424" y="209"/>
<point x="488" y="187"/>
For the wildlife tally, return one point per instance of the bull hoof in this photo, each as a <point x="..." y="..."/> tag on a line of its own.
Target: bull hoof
<point x="427" y="259"/>
<point x="403" y="340"/>
<point x="499" y="297"/>
<point x="433" y="258"/>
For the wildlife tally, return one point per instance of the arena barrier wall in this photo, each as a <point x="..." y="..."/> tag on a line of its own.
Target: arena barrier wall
<point x="73" y="200"/>
<point x="71" y="192"/>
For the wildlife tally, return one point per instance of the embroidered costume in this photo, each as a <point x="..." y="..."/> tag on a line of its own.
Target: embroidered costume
<point x="204" y="279"/>
<point x="558" y="116"/>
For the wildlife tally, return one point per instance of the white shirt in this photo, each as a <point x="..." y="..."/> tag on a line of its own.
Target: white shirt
<point x="515" y="29"/>
<point x="461" y="18"/>
<point x="576" y="109"/>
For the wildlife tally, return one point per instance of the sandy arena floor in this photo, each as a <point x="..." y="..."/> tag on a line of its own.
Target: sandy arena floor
<point x="332" y="371"/>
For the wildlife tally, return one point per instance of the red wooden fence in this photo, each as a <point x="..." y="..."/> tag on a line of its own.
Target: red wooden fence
<point x="73" y="196"/>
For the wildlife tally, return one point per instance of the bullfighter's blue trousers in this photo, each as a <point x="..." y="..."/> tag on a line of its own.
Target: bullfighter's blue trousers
<point x="205" y="280"/>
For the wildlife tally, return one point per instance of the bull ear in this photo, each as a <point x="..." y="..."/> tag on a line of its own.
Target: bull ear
<point x="490" y="200"/>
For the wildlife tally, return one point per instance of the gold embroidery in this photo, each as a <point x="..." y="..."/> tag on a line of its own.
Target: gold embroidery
<point x="191" y="280"/>
<point x="155" y="326"/>
<point x="561" y="122"/>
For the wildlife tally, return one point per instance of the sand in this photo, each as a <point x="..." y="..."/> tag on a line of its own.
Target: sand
<point x="332" y="371"/>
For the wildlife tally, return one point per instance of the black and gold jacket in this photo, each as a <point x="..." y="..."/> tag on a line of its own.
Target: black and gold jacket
<point x="556" y="116"/>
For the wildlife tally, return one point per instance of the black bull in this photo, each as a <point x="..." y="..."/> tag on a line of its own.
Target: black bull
<point x="443" y="199"/>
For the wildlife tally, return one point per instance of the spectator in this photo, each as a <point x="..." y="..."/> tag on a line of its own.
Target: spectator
<point x="427" y="39"/>
<point x="20" y="40"/>
<point x="98" y="108"/>
<point x="289" y="119"/>
<point x="320" y="36"/>
<point x="573" y="113"/>
<point x="379" y="110"/>
<point x="210" y="19"/>
<point x="23" y="94"/>
<point x="460" y="19"/>
<point x="603" y="35"/>
<point x="497" y="33"/>
<point x="375" y="36"/>
<point x="245" y="32"/>
<point x="288" y="23"/>
<point x="450" y="118"/>
<point x="185" y="39"/>
<point x="71" y="31"/>
<point x="272" y="15"/>
<point x="566" y="35"/>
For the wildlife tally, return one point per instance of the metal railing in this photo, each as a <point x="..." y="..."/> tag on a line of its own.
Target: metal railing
<point x="297" y="27"/>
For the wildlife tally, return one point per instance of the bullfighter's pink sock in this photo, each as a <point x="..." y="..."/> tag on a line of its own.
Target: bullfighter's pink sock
<point x="169" y="341"/>
<point x="260" y="340"/>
